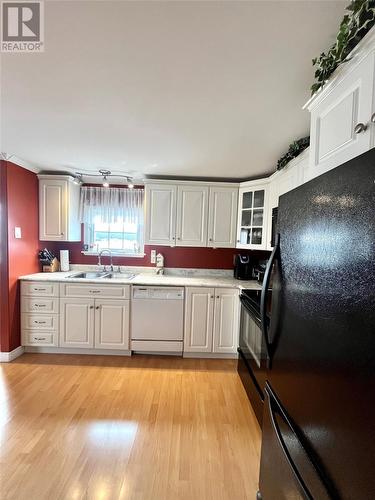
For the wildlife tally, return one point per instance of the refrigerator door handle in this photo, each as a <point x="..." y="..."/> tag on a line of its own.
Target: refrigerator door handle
<point x="292" y="466"/>
<point x="264" y="295"/>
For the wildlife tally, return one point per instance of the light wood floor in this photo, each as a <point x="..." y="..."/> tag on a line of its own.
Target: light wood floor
<point x="100" y="427"/>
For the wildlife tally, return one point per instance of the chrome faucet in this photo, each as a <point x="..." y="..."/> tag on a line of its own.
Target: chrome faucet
<point x="100" y="259"/>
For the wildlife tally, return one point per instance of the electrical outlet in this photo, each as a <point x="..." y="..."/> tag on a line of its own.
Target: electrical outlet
<point x="17" y="232"/>
<point x="153" y="256"/>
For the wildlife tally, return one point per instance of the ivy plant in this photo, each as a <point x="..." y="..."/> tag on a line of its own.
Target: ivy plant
<point x="294" y="150"/>
<point x="354" y="26"/>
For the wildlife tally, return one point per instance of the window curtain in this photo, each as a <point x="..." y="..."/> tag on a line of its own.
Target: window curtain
<point x="109" y="205"/>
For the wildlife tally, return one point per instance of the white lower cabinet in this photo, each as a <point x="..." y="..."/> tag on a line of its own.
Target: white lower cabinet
<point x="199" y="315"/>
<point x="226" y="320"/>
<point x="77" y="322"/>
<point x="39" y="314"/>
<point x="211" y="320"/>
<point x="111" y="324"/>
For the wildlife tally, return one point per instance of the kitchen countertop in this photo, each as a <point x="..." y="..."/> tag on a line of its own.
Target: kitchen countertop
<point x="150" y="279"/>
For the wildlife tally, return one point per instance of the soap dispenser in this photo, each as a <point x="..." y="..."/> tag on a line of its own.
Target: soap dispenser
<point x="160" y="263"/>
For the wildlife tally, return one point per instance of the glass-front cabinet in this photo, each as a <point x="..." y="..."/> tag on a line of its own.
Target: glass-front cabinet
<point x="252" y="216"/>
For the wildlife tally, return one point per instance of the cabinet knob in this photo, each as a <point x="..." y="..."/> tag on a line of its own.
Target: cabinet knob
<point x="238" y="241"/>
<point x="212" y="296"/>
<point x="359" y="128"/>
<point x="218" y="296"/>
<point x="97" y="307"/>
<point x="178" y="238"/>
<point x="373" y="118"/>
<point x="210" y="239"/>
<point x="91" y="307"/>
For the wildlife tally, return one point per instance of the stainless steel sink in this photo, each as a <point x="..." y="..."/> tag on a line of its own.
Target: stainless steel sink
<point x="102" y="274"/>
<point x="90" y="275"/>
<point x="120" y="276"/>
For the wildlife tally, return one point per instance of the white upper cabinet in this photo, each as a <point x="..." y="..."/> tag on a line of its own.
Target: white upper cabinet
<point x="58" y="209"/>
<point x="222" y="217"/>
<point x="192" y="216"/>
<point x="160" y="214"/>
<point x="282" y="181"/>
<point x="252" y="216"/>
<point x="342" y="116"/>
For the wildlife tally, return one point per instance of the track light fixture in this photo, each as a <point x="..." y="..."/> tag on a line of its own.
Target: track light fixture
<point x="104" y="174"/>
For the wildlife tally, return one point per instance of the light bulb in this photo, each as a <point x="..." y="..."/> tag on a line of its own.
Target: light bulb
<point x="105" y="183"/>
<point x="130" y="186"/>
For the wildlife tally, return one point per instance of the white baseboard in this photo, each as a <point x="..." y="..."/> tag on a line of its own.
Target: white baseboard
<point x="67" y="350"/>
<point x="208" y="355"/>
<point x="6" y="357"/>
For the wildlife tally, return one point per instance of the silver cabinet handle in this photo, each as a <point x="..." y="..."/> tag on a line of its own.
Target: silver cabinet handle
<point x="372" y="118"/>
<point x="39" y="338"/>
<point x="40" y="305"/>
<point x="94" y="291"/>
<point x="39" y="289"/>
<point x="40" y="322"/>
<point x="359" y="128"/>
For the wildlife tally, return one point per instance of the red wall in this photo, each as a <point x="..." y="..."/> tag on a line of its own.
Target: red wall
<point x="185" y="257"/>
<point x="22" y="211"/>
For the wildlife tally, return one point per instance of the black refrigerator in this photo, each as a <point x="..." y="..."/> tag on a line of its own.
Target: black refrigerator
<point x="319" y="410"/>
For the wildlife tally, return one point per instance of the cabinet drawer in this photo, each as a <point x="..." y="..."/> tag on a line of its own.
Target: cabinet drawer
<point x="31" y="321"/>
<point x="92" y="291"/>
<point x="39" y="289"/>
<point x="39" y="305"/>
<point x="33" y="338"/>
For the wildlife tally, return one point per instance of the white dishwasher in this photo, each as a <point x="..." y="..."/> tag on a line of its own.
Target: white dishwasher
<point x="157" y="319"/>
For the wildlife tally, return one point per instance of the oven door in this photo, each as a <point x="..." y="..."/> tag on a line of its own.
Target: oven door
<point x="252" y="345"/>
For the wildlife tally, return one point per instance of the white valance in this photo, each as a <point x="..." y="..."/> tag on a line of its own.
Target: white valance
<point x="109" y="205"/>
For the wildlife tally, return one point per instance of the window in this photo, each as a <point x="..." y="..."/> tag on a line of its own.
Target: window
<point x="113" y="218"/>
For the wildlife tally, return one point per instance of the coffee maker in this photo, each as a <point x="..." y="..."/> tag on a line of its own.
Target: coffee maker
<point x="243" y="267"/>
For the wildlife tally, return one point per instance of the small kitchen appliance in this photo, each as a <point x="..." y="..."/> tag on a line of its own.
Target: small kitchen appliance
<point x="243" y="267"/>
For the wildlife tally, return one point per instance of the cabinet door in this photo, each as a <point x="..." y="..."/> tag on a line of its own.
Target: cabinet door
<point x="199" y="310"/>
<point x="52" y="209"/>
<point x="333" y="120"/>
<point x="192" y="216"/>
<point x="226" y="323"/>
<point x="160" y="203"/>
<point x="77" y="323"/>
<point x="111" y="324"/>
<point x="222" y="217"/>
<point x="252" y="217"/>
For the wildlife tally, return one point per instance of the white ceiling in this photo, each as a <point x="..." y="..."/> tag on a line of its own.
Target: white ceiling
<point x="192" y="88"/>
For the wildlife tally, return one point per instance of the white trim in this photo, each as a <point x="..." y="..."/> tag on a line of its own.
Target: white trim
<point x="66" y="350"/>
<point x="261" y="181"/>
<point x="191" y="182"/>
<point x="6" y="357"/>
<point x="209" y="355"/>
<point x="24" y="164"/>
<point x="117" y="254"/>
